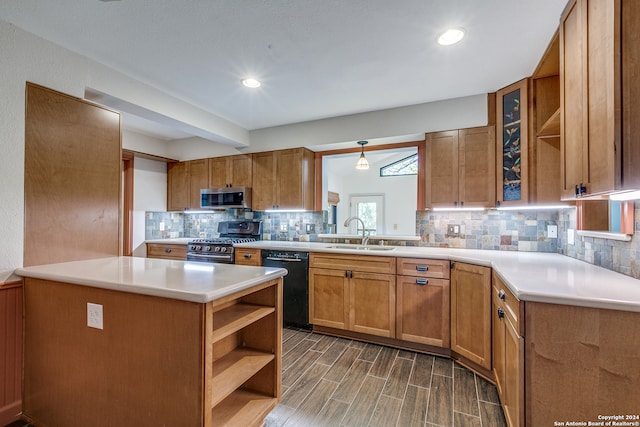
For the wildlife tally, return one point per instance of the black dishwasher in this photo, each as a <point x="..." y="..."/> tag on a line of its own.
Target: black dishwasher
<point x="295" y="299"/>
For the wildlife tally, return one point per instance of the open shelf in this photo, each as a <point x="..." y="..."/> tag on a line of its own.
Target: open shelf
<point x="243" y="408"/>
<point x="236" y="367"/>
<point x="236" y="317"/>
<point x="550" y="128"/>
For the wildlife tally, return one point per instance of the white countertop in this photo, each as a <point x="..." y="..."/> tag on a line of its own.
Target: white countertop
<point x="531" y="276"/>
<point x="182" y="280"/>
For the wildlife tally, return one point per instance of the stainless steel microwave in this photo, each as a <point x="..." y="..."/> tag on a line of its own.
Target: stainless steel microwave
<point x="225" y="198"/>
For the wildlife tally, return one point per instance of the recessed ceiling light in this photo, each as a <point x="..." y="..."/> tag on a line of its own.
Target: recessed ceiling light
<point x="251" y="82"/>
<point x="451" y="36"/>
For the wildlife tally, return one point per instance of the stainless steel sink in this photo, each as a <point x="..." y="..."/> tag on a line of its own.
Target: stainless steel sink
<point x="362" y="248"/>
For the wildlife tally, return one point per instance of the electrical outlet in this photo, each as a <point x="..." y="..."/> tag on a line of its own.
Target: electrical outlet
<point x="453" y="229"/>
<point x="552" y="231"/>
<point x="94" y="316"/>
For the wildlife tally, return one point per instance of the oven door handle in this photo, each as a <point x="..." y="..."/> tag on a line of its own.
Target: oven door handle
<point x="270" y="258"/>
<point x="207" y="256"/>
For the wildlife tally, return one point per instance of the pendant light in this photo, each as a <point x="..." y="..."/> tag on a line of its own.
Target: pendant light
<point x="362" y="161"/>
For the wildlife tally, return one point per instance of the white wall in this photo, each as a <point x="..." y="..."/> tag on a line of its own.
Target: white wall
<point x="150" y="194"/>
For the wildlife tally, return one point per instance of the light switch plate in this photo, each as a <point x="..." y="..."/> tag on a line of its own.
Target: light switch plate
<point x="552" y="231"/>
<point x="571" y="237"/>
<point x="94" y="316"/>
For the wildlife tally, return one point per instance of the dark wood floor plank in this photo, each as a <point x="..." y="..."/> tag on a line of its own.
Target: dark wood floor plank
<point x="323" y="343"/>
<point x="386" y="412"/>
<point x="331" y="354"/>
<point x="487" y="392"/>
<point x="422" y="369"/>
<point x="291" y="374"/>
<point x="296" y="352"/>
<point x="398" y="380"/>
<point x="352" y="381"/>
<point x="298" y="392"/>
<point x="492" y="415"/>
<point x="465" y="398"/>
<point x="358" y="344"/>
<point x="331" y="414"/>
<point x="312" y="405"/>
<point x="370" y="352"/>
<point x="443" y="366"/>
<point x="341" y="366"/>
<point x="466" y="420"/>
<point x="382" y="366"/>
<point x="279" y="416"/>
<point x="414" y="408"/>
<point x="293" y="341"/>
<point x="440" y="409"/>
<point x="362" y="408"/>
<point x="406" y="354"/>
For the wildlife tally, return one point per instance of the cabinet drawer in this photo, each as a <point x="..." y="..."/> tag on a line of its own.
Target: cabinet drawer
<point x="438" y="269"/>
<point x="156" y="250"/>
<point x="248" y="256"/>
<point x="513" y="307"/>
<point x="364" y="263"/>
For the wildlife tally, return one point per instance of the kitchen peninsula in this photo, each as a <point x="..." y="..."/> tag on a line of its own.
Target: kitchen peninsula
<point x="150" y="342"/>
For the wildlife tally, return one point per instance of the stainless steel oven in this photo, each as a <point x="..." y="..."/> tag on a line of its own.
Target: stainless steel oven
<point x="220" y="249"/>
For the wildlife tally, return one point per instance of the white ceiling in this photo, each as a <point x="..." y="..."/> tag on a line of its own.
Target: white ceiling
<point x="316" y="58"/>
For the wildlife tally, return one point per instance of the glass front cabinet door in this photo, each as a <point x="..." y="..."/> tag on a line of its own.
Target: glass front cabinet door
<point x="511" y="132"/>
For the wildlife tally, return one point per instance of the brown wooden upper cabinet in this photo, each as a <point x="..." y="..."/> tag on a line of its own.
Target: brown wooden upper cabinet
<point x="460" y="168"/>
<point x="230" y="171"/>
<point x="599" y="82"/>
<point x="283" y="179"/>
<point x="184" y="181"/>
<point x="177" y="186"/>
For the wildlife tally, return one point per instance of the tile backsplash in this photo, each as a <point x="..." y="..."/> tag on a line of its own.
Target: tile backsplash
<point x="489" y="230"/>
<point x="623" y="257"/>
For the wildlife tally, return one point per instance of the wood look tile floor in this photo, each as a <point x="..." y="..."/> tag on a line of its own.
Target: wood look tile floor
<point x="329" y="381"/>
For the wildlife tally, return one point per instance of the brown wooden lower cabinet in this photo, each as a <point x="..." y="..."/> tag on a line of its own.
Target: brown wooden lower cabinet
<point x="167" y="251"/>
<point x="422" y="295"/>
<point x="471" y="313"/>
<point x="508" y="352"/>
<point x="248" y="256"/>
<point x="11" y="344"/>
<point x="358" y="294"/>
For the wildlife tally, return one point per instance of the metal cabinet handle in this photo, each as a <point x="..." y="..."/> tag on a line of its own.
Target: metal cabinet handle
<point x="247" y="256"/>
<point x="500" y="313"/>
<point x="167" y="250"/>
<point x="422" y="267"/>
<point x="422" y="282"/>
<point x="502" y="294"/>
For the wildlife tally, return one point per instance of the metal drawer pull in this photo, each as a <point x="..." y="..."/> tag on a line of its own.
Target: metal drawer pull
<point x="247" y="256"/>
<point x="422" y="267"/>
<point x="167" y="250"/>
<point x="502" y="294"/>
<point x="500" y="313"/>
<point x="421" y="281"/>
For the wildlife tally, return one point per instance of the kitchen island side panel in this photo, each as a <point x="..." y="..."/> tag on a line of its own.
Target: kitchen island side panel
<point x="581" y="363"/>
<point x="145" y="368"/>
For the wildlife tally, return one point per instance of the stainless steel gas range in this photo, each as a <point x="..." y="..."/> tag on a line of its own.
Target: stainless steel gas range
<point x="220" y="249"/>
